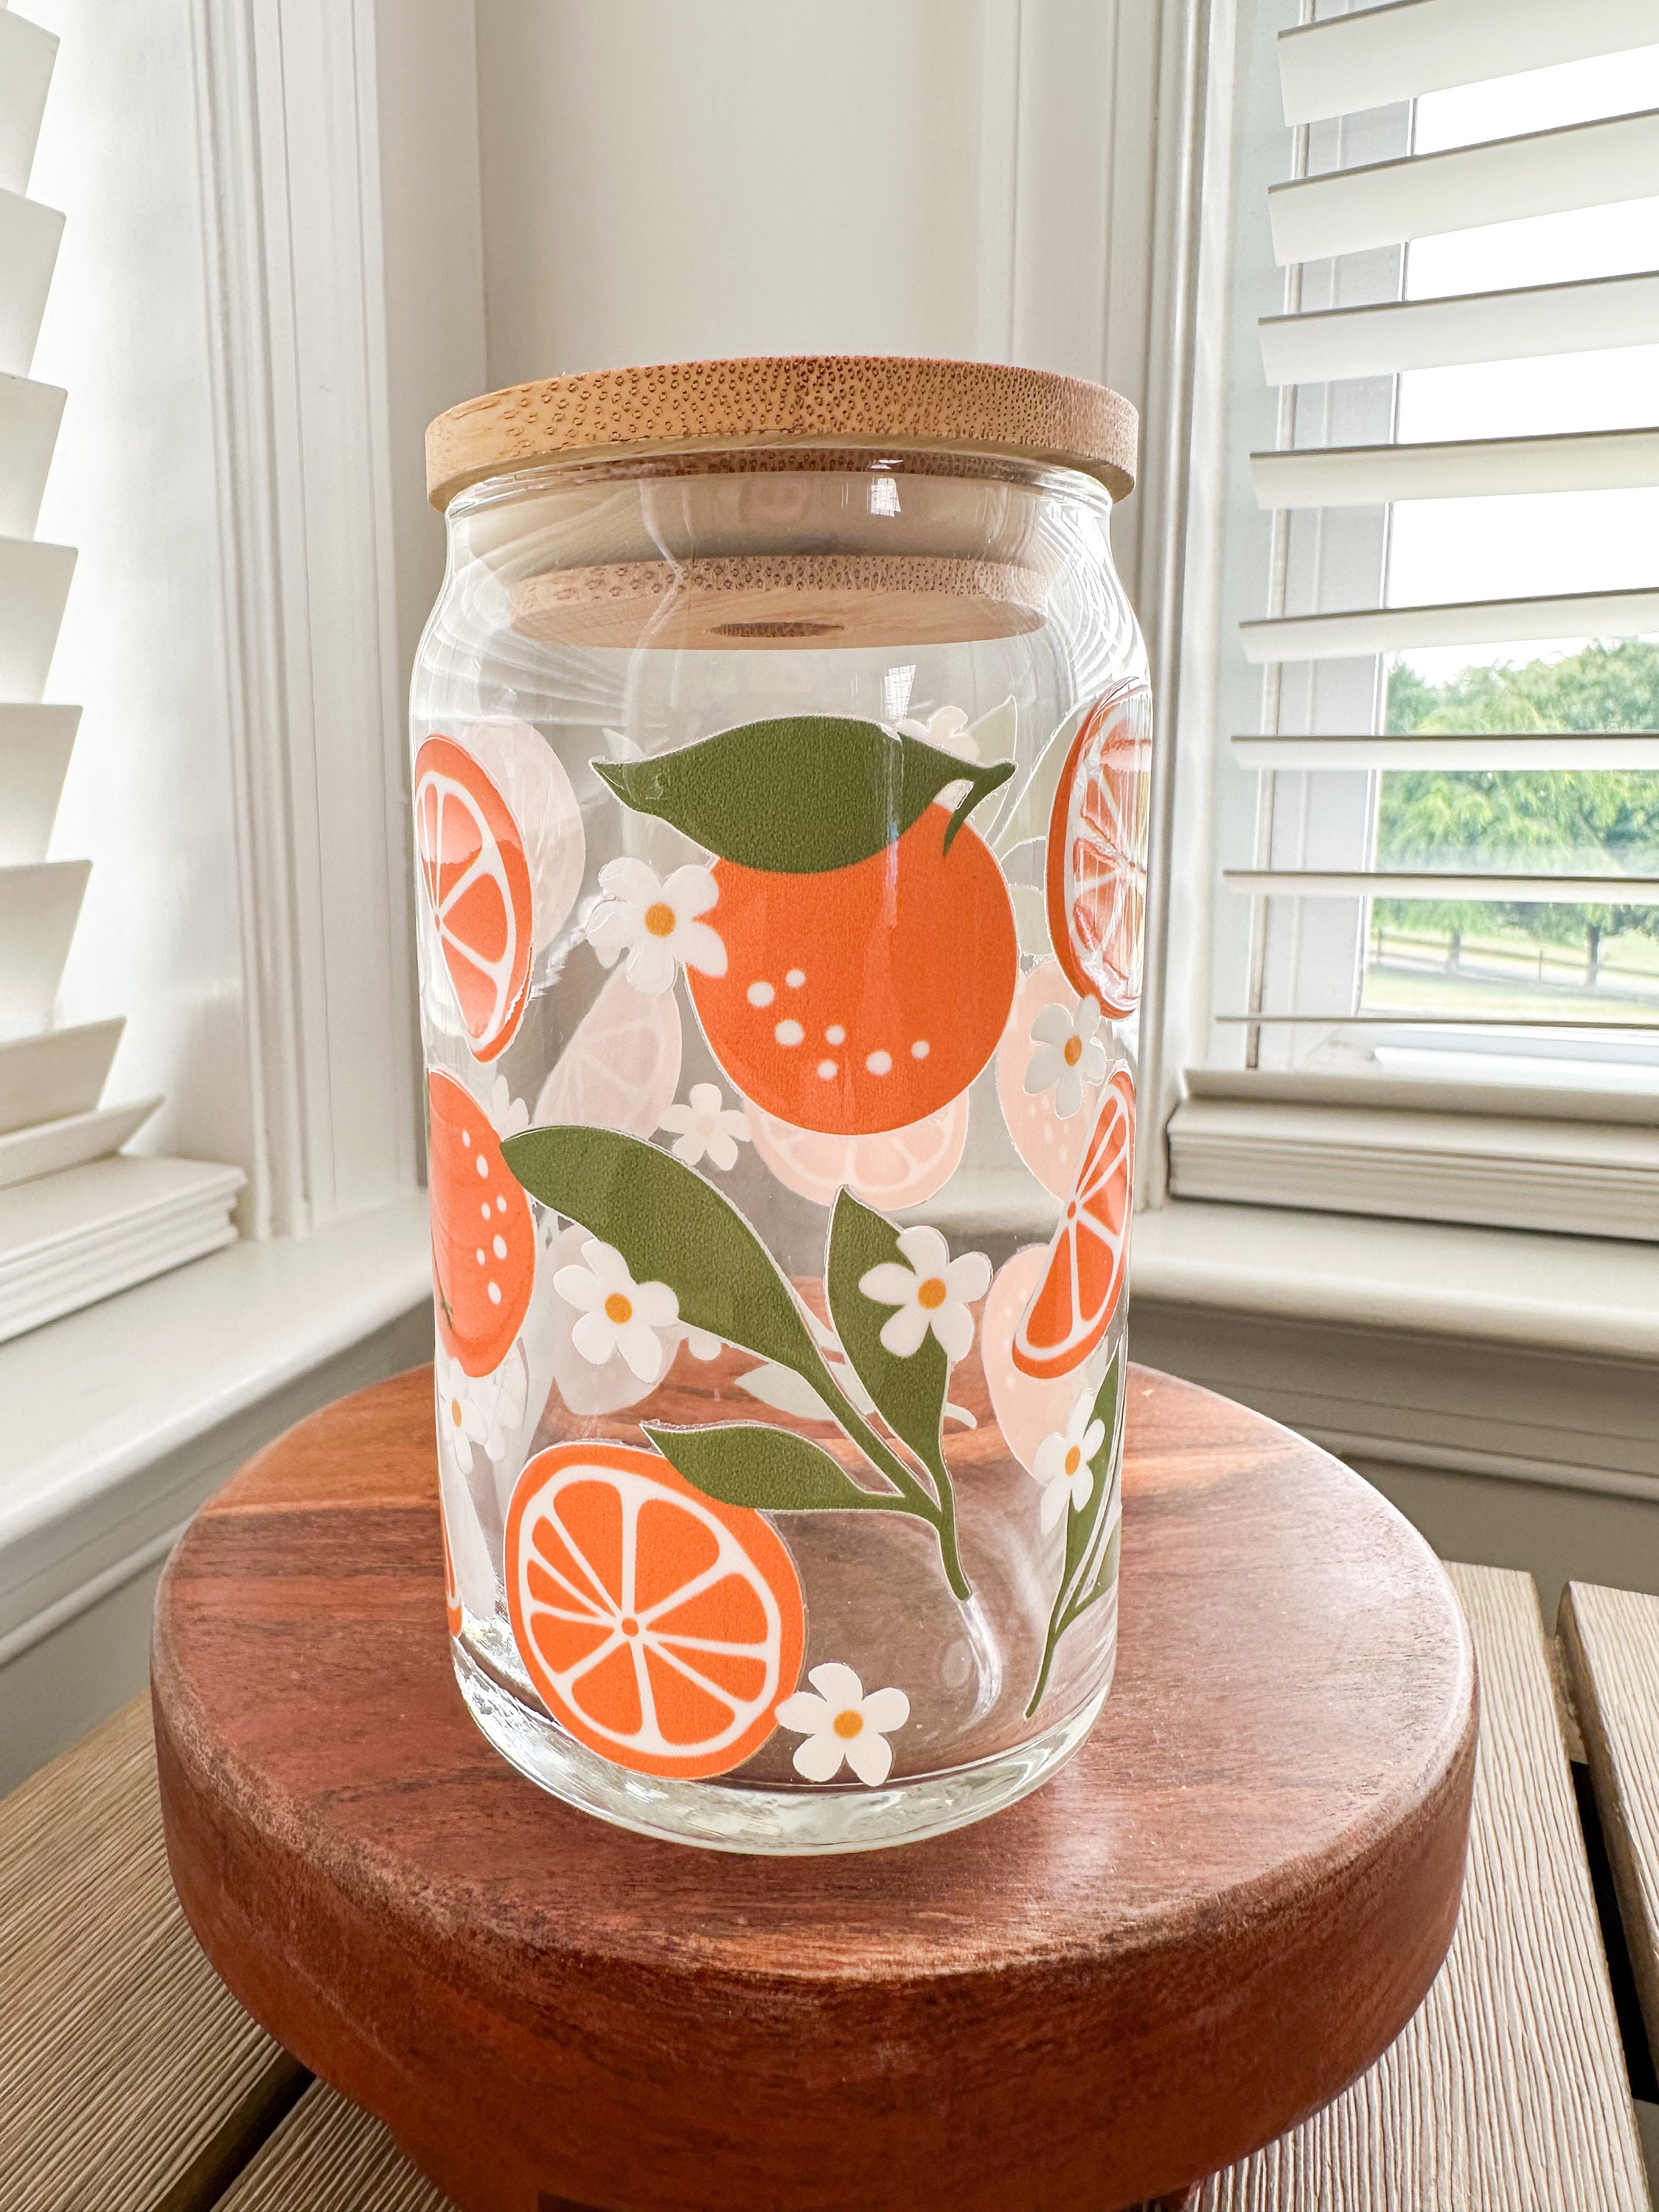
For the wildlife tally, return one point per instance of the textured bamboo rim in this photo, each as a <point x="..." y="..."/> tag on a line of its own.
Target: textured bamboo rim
<point x="809" y="399"/>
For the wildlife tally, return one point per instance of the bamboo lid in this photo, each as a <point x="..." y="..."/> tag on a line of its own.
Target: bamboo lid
<point x="950" y="406"/>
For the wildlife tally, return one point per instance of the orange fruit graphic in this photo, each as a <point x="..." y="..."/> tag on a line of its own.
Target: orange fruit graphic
<point x="890" y="1168"/>
<point x="660" y="1627"/>
<point x="865" y="998"/>
<point x="1096" y="881"/>
<point x="1084" y="1279"/>
<point x="477" y="880"/>
<point x="483" y="1237"/>
<point x="1026" y="1408"/>
<point x="621" y="1066"/>
<point x="1050" y="1147"/>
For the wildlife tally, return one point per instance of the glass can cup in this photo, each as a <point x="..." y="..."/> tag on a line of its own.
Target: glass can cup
<point x="780" y="758"/>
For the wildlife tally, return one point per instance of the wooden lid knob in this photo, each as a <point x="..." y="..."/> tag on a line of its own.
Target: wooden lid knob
<point x="892" y="405"/>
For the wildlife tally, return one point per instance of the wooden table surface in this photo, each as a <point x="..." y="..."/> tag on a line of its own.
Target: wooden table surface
<point x="129" y="2077"/>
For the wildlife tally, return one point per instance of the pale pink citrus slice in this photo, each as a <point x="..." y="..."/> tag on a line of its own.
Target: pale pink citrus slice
<point x="622" y="1066"/>
<point x="1049" y="1146"/>
<point x="888" y="1169"/>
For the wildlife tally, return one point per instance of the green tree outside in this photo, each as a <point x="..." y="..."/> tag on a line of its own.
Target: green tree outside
<point x="1567" y="822"/>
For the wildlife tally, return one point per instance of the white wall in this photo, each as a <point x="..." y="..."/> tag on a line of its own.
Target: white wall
<point x="967" y="178"/>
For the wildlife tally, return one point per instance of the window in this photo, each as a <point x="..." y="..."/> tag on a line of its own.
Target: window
<point x="1436" y="790"/>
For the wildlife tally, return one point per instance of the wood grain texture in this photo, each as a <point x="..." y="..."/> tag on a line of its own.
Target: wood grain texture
<point x="895" y="402"/>
<point x="329" y="2156"/>
<point x="782" y="602"/>
<point x="1507" y="2092"/>
<point x="1610" y="1639"/>
<point x="129" y="2077"/>
<point x="1219" y="1913"/>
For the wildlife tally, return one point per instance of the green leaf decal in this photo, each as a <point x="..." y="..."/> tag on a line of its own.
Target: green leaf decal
<point x="909" y="1393"/>
<point x="670" y="1227"/>
<point x="801" y="794"/>
<point x="1083" y="1578"/>
<point x="745" y="1463"/>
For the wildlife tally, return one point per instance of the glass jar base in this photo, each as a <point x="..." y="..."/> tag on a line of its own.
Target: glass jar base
<point x="724" y="1817"/>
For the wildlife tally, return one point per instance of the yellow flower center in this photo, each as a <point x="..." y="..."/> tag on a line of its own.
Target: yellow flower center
<point x="659" y="919"/>
<point x="455" y="1411"/>
<point x="931" y="1294"/>
<point x="1073" y="1051"/>
<point x="1074" y="1460"/>
<point x="848" y="1723"/>
<point x="618" y="1308"/>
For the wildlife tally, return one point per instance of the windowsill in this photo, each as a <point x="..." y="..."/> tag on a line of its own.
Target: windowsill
<point x="1585" y="1295"/>
<point x="123" y="1415"/>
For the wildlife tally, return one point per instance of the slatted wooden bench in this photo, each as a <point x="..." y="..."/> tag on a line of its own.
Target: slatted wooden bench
<point x="131" y="2081"/>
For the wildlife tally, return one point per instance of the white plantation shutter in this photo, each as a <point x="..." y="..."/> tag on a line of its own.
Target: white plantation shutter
<point x="1324" y="1094"/>
<point x="1341" y="68"/>
<point x="77" y="1223"/>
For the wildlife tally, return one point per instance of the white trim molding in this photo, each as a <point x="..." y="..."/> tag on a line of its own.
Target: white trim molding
<point x="286" y="95"/>
<point x="1421" y="1159"/>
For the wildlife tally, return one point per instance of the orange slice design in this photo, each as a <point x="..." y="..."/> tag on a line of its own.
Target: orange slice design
<point x="1027" y="1409"/>
<point x="891" y="1168"/>
<point x="477" y="891"/>
<point x="1084" y="1280"/>
<point x="1096" y="880"/>
<point x="660" y="1627"/>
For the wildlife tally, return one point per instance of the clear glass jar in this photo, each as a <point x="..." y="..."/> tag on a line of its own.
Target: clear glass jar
<point x="781" y="822"/>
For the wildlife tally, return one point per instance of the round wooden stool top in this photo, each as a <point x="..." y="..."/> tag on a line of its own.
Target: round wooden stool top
<point x="1224" y="1909"/>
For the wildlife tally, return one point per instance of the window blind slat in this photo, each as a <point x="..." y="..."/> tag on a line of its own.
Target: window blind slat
<point x="1512" y="326"/>
<point x="29" y="238"/>
<point x="1383" y="54"/>
<point x="34" y="581"/>
<point x="1472" y="468"/>
<point x="27" y="53"/>
<point x="1435" y="1018"/>
<point x="29" y="417"/>
<point x="1474" y="622"/>
<point x="1576" y="749"/>
<point x="39" y="908"/>
<point x="1364" y="883"/>
<point x="35" y="744"/>
<point x="1544" y="173"/>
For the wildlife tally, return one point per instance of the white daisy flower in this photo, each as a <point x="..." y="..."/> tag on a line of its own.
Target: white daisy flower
<point x="655" y="923"/>
<point x="463" y="1415"/>
<point x="618" y="1313"/>
<point x="1070" y="1053"/>
<point x="934" y="1291"/>
<point x="946" y="729"/>
<point x="706" y="1125"/>
<point x="507" y="1114"/>
<point x="842" y="1723"/>
<point x="1061" y="1462"/>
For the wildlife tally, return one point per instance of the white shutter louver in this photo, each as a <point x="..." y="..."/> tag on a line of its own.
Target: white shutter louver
<point x="1339" y="68"/>
<point x="1451" y="230"/>
<point x="78" y="1221"/>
